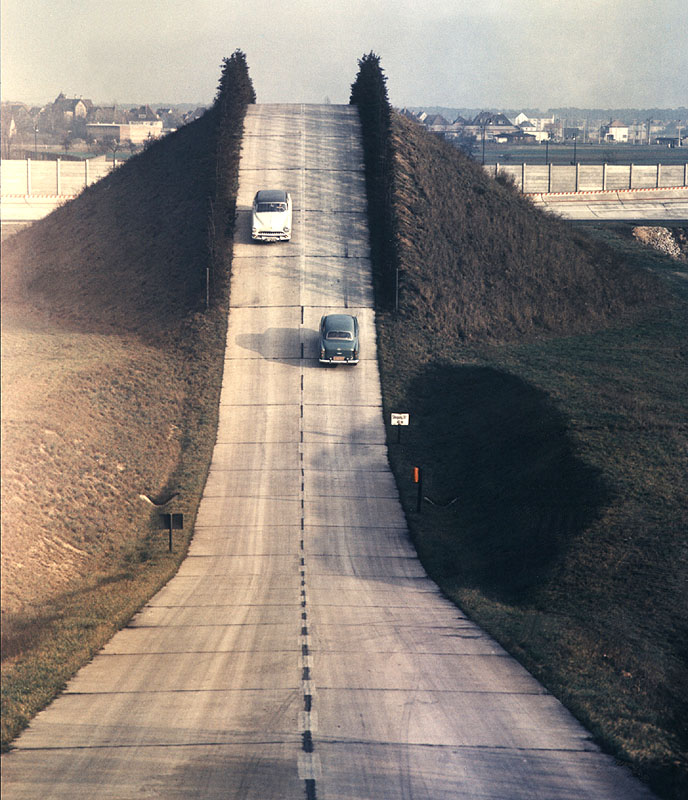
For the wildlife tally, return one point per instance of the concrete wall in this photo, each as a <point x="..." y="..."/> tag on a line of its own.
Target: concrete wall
<point x="545" y="178"/>
<point x="27" y="177"/>
<point x="32" y="189"/>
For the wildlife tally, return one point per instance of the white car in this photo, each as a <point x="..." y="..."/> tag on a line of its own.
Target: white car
<point x="271" y="216"/>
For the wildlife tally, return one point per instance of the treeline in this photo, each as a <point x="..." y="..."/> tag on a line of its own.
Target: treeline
<point x="369" y="94"/>
<point x="234" y="93"/>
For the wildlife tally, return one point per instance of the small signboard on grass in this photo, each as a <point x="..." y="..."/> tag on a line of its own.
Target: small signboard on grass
<point x="399" y="421"/>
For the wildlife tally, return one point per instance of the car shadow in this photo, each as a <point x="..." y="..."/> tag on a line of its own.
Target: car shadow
<point x="294" y="346"/>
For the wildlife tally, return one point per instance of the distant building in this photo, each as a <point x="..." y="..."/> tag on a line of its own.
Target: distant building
<point x="670" y="141"/>
<point x="541" y="128"/>
<point x="615" y="131"/>
<point x="530" y="130"/>
<point x="134" y="132"/>
<point x="435" y="120"/>
<point x="197" y="113"/>
<point x="72" y="108"/>
<point x="142" y="114"/>
<point x="491" y="125"/>
<point x="106" y="114"/>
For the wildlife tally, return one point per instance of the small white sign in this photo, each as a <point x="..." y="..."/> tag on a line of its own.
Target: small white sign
<point x="400" y="419"/>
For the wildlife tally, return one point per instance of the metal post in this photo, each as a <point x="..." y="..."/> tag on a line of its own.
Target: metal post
<point x="604" y="177"/>
<point x="630" y="176"/>
<point x="659" y="175"/>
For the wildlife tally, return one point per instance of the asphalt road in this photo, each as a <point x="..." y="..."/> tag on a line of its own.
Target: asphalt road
<point x="301" y="651"/>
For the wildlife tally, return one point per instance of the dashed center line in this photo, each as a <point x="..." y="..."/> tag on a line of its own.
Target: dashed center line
<point x="308" y="761"/>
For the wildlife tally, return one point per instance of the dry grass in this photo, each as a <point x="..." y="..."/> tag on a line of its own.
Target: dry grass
<point x="111" y="380"/>
<point x="477" y="263"/>
<point x="544" y="369"/>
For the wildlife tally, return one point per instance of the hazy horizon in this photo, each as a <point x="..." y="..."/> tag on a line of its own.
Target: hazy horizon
<point x="537" y="54"/>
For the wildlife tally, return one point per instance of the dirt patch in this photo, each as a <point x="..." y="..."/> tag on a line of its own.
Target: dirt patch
<point x="669" y="241"/>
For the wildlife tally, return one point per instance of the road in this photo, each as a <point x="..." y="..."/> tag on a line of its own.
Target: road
<point x="301" y="651"/>
<point x="667" y="208"/>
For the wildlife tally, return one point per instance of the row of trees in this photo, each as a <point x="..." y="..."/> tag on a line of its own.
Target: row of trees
<point x="234" y="93"/>
<point x="369" y="94"/>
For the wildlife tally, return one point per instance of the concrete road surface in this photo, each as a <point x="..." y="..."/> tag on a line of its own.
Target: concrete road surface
<point x="660" y="207"/>
<point x="301" y="651"/>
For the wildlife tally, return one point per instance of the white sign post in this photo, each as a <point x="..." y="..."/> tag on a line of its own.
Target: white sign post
<point x="399" y="420"/>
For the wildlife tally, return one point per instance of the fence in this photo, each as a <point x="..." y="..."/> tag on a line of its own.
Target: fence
<point x="25" y="177"/>
<point x="547" y="178"/>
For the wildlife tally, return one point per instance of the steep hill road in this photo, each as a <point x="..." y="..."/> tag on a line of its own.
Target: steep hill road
<point x="301" y="651"/>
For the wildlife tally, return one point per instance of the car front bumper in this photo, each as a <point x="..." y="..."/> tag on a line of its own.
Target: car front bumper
<point x="271" y="236"/>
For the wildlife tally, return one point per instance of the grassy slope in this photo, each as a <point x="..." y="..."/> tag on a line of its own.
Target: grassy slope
<point x="545" y="377"/>
<point x="111" y="375"/>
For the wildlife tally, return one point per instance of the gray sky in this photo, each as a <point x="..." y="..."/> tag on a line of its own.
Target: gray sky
<point x="455" y="53"/>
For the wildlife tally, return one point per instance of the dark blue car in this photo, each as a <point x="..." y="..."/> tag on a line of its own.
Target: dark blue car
<point x="339" y="339"/>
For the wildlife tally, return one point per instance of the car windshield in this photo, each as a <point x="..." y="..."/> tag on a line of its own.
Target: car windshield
<point x="339" y="335"/>
<point x="264" y="208"/>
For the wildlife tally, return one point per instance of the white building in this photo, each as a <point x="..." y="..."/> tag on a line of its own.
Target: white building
<point x="615" y="131"/>
<point x="135" y="132"/>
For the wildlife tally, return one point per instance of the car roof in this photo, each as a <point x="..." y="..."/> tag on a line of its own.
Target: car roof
<point x="344" y="322"/>
<point x="271" y="196"/>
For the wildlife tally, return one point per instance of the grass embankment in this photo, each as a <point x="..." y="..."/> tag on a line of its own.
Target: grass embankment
<point x="544" y="371"/>
<point x="111" y="378"/>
